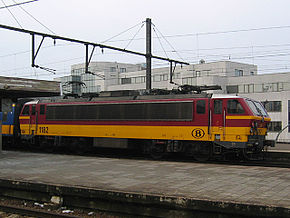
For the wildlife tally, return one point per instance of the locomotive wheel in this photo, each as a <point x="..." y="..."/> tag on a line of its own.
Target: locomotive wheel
<point x="157" y="151"/>
<point x="202" y="151"/>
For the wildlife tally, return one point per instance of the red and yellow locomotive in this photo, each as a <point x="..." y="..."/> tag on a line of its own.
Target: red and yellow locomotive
<point x="201" y="125"/>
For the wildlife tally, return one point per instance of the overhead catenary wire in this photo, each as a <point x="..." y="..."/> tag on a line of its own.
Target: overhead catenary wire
<point x="108" y="40"/>
<point x="213" y="33"/>
<point x="12" y="14"/>
<point x="224" y="56"/>
<point x="135" y="36"/>
<point x="35" y="18"/>
<point x="16" y="4"/>
<point x="168" y="43"/>
<point x="189" y="58"/>
<point x="160" y="42"/>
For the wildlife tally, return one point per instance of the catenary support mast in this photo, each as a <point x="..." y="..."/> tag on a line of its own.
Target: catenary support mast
<point x="148" y="54"/>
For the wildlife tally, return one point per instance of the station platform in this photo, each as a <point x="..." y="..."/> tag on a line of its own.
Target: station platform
<point x="175" y="186"/>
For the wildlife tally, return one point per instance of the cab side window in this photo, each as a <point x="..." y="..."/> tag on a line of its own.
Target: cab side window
<point x="25" y="110"/>
<point x="42" y="109"/>
<point x="218" y="106"/>
<point x="33" y="110"/>
<point x="200" y="107"/>
<point x="235" y="107"/>
<point x="5" y="116"/>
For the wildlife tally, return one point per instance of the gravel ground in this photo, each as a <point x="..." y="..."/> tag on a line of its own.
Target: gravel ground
<point x="84" y="213"/>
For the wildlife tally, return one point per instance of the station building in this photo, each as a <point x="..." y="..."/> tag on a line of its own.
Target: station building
<point x="12" y="88"/>
<point x="234" y="78"/>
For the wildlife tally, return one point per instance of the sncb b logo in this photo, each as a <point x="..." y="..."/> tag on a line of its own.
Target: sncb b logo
<point x="197" y="133"/>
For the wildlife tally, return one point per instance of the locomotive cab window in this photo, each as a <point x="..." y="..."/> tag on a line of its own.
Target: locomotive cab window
<point x="235" y="107"/>
<point x="25" y="110"/>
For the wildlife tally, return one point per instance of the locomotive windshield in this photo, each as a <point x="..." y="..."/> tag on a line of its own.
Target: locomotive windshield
<point x="257" y="108"/>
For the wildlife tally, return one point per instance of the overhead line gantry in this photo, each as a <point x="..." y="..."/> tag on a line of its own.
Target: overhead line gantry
<point x="88" y="57"/>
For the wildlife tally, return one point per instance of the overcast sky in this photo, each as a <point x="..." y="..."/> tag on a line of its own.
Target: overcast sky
<point x="248" y="31"/>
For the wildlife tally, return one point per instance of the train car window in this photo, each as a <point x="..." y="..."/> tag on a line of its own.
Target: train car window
<point x="234" y="107"/>
<point x="200" y="106"/>
<point x="5" y="117"/>
<point x="33" y="109"/>
<point x="42" y="109"/>
<point x="130" y="111"/>
<point x="218" y="106"/>
<point x="25" y="110"/>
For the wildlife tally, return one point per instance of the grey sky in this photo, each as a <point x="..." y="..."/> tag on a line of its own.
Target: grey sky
<point x="184" y="21"/>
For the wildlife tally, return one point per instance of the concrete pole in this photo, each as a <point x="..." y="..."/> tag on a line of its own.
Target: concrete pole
<point x="148" y="54"/>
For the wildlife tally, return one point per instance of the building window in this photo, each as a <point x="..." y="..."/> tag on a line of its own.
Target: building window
<point x="112" y="69"/>
<point x="239" y="72"/>
<point x="176" y="76"/>
<point x="232" y="89"/>
<point x="164" y="77"/>
<point x="258" y="88"/>
<point x="273" y="106"/>
<point x="157" y="78"/>
<point x="273" y="87"/>
<point x="122" y="70"/>
<point x="125" y="80"/>
<point x="275" y="126"/>
<point x="206" y="72"/>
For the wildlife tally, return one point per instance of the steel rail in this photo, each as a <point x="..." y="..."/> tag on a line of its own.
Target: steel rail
<point x="33" y="212"/>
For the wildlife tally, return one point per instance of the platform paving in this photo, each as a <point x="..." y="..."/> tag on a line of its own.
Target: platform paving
<point x="268" y="186"/>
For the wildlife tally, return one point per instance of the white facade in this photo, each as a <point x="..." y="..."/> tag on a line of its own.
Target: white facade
<point x="274" y="91"/>
<point x="104" y="74"/>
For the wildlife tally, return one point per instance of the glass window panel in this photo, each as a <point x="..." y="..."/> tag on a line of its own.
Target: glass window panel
<point x="218" y="106"/>
<point x="200" y="107"/>
<point x="234" y="107"/>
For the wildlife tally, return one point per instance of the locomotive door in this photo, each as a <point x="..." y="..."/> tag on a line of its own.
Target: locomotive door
<point x="33" y="120"/>
<point x="217" y="119"/>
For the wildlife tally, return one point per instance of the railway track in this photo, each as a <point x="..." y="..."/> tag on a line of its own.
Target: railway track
<point x="254" y="163"/>
<point x="33" y="212"/>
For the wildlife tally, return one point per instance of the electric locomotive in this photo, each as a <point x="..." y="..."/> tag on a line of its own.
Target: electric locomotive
<point x="199" y="125"/>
